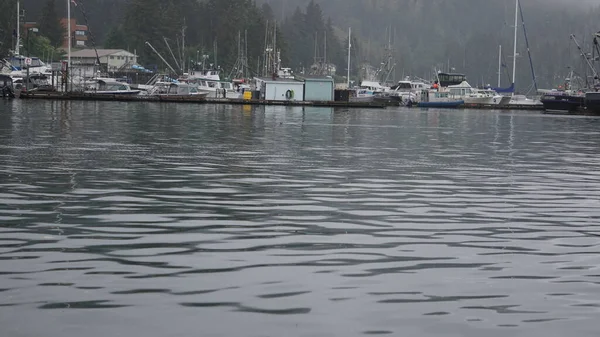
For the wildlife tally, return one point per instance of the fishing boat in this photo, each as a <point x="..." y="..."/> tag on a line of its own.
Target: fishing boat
<point x="592" y="101"/>
<point x="563" y="101"/>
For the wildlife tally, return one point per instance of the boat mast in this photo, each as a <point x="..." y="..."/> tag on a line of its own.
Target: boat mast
<point x="349" y="46"/>
<point x="515" y="49"/>
<point x="499" y="66"/>
<point x="69" y="33"/>
<point x="18" y="46"/>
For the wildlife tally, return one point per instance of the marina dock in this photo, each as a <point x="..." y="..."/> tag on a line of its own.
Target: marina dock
<point x="192" y="99"/>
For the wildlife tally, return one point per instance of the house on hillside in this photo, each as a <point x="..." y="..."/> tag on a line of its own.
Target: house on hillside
<point x="111" y="60"/>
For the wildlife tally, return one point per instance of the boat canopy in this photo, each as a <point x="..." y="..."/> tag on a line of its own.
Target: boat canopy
<point x="508" y="90"/>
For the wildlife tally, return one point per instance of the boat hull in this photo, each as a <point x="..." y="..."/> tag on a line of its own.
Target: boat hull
<point x="563" y="103"/>
<point x="115" y="92"/>
<point x="362" y="99"/>
<point x="449" y="104"/>
<point x="495" y="100"/>
<point x="592" y="102"/>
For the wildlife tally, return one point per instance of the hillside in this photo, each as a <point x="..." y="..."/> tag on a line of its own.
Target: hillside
<point x="426" y="34"/>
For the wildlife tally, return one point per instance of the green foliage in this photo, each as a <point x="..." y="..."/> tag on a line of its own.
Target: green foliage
<point x="40" y="46"/>
<point x="49" y="24"/>
<point x="8" y="10"/>
<point x="427" y="34"/>
<point x="116" y="39"/>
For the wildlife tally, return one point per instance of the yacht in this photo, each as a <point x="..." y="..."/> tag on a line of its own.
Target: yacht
<point x="408" y="91"/>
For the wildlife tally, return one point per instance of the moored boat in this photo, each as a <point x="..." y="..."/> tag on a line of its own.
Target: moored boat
<point x="563" y="101"/>
<point x="437" y="99"/>
<point x="6" y="87"/>
<point x="592" y="102"/>
<point x="106" y="86"/>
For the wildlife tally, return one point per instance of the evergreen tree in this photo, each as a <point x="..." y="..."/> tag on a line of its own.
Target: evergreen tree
<point x="115" y="39"/>
<point x="49" y="24"/>
<point x="8" y="10"/>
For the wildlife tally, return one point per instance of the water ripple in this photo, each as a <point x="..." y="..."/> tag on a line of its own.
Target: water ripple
<point x="296" y="221"/>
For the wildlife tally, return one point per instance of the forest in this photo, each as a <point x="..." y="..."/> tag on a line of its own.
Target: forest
<point x="456" y="35"/>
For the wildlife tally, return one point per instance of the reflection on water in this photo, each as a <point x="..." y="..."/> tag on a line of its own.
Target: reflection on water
<point x="127" y="219"/>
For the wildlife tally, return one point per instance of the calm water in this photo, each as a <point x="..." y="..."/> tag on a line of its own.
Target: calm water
<point x="151" y="220"/>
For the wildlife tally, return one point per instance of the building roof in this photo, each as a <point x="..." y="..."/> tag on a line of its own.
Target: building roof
<point x="278" y="80"/>
<point x="315" y="78"/>
<point x="91" y="53"/>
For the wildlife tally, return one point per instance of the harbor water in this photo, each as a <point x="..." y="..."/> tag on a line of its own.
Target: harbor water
<point x="149" y="219"/>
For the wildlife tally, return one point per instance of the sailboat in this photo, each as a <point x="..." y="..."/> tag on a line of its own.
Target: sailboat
<point x="516" y="99"/>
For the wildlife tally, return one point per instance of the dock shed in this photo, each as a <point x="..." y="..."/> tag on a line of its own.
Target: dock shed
<point x="280" y="89"/>
<point x="318" y="88"/>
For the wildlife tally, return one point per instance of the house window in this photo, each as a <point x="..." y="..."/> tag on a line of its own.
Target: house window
<point x="112" y="57"/>
<point x="80" y="32"/>
<point x="81" y="43"/>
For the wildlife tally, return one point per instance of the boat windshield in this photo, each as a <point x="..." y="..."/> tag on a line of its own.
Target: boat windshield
<point x="19" y="62"/>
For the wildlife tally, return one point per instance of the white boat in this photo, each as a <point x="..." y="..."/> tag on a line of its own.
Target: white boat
<point x="408" y="91"/>
<point x="219" y="89"/>
<point x="107" y="86"/>
<point x="179" y="90"/>
<point x="522" y="100"/>
<point x="361" y="95"/>
<point x="470" y="95"/>
<point x="438" y="99"/>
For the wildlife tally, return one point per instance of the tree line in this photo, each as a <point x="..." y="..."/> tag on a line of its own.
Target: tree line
<point x="462" y="36"/>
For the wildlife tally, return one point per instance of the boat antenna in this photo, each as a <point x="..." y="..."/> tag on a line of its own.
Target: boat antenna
<point x="162" y="58"/>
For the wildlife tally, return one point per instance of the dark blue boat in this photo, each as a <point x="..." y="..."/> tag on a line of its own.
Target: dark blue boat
<point x="563" y="102"/>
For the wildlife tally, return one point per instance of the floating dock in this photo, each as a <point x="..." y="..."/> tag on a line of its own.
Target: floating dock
<point x="503" y="107"/>
<point x="75" y="96"/>
<point x="191" y="99"/>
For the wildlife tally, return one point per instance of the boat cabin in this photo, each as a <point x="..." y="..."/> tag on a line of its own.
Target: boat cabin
<point x="448" y="79"/>
<point x="182" y="89"/>
<point x="108" y="85"/>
